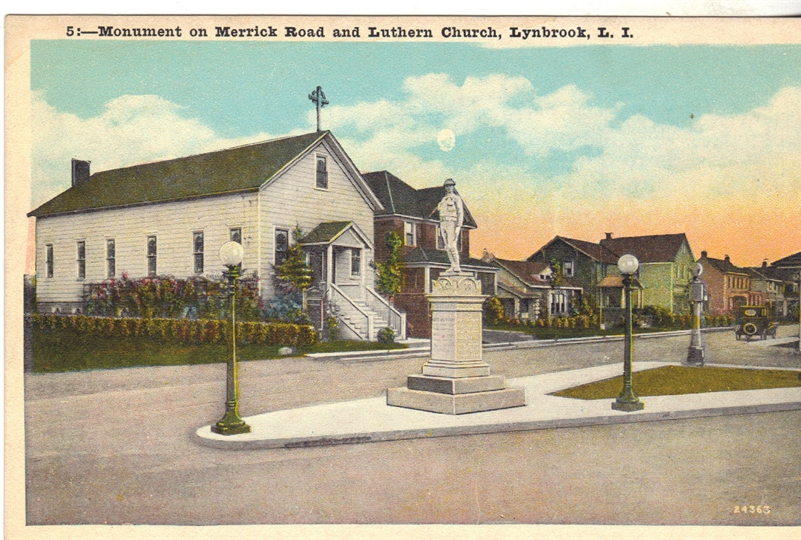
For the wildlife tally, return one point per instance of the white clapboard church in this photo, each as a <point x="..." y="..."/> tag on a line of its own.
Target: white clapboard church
<point x="169" y="218"/>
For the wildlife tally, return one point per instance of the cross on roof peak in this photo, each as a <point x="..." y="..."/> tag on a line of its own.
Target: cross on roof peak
<point x="318" y="98"/>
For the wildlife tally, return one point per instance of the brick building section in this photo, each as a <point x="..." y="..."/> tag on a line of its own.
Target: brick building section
<point x="728" y="286"/>
<point x="412" y="214"/>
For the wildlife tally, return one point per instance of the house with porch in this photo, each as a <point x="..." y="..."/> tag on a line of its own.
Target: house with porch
<point x="666" y="264"/>
<point x="663" y="278"/>
<point x="169" y="218"/>
<point x="527" y="290"/>
<point x="586" y="265"/>
<point x="413" y="215"/>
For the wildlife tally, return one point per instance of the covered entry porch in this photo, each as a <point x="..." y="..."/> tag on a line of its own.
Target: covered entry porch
<point x="339" y="255"/>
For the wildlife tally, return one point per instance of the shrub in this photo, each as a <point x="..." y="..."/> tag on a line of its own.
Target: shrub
<point x="286" y="306"/>
<point x="331" y="328"/>
<point x="166" y="297"/>
<point x="386" y="335"/>
<point x="658" y="316"/>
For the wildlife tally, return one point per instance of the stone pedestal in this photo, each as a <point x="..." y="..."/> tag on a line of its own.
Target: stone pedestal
<point x="456" y="380"/>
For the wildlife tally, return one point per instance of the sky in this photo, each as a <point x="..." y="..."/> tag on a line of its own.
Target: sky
<point x="569" y="141"/>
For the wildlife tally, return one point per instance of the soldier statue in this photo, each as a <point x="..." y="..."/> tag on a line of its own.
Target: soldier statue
<point x="451" y="218"/>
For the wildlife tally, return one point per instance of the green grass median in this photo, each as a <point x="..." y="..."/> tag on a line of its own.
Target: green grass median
<point x="61" y="350"/>
<point x="677" y="380"/>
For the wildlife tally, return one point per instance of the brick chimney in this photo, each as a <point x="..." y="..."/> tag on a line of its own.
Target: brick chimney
<point x="80" y="171"/>
<point x="608" y="236"/>
<point x="726" y="259"/>
<point x="703" y="254"/>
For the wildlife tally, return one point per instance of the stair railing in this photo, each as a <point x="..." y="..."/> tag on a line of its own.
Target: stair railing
<point x="395" y="319"/>
<point x="349" y="309"/>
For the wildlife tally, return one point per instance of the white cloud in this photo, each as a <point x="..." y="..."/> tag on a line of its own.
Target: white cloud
<point x="642" y="178"/>
<point x="130" y="130"/>
<point x="714" y="165"/>
<point x="564" y="120"/>
<point x="719" y="155"/>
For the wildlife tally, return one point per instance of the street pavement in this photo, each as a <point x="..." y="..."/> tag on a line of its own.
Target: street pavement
<point x="119" y="446"/>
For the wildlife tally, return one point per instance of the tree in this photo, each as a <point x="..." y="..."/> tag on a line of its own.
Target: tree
<point x="558" y="272"/>
<point x="493" y="311"/>
<point x="389" y="271"/>
<point x="294" y="271"/>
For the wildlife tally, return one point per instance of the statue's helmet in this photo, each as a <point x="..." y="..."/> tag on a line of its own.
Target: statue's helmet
<point x="449" y="182"/>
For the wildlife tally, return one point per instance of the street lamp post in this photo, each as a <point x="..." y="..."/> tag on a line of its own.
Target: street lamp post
<point x="797" y="277"/>
<point x="231" y="254"/>
<point x="697" y="351"/>
<point x="627" y="400"/>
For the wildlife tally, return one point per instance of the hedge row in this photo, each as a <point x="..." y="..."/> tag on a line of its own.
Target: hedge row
<point x="591" y="321"/>
<point x="577" y="321"/>
<point x="180" y="330"/>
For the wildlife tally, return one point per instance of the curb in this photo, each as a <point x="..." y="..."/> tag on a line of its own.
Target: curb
<point x="401" y="353"/>
<point x="595" y="339"/>
<point x="528" y="344"/>
<point x="450" y="431"/>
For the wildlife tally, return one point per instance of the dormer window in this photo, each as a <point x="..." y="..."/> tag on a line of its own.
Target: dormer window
<point x="322" y="173"/>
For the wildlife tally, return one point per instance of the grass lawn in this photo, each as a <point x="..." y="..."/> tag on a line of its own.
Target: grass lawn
<point x="676" y="380"/>
<point x="61" y="350"/>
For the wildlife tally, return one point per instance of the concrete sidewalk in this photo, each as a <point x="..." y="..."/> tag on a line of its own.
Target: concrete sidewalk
<point x="371" y="420"/>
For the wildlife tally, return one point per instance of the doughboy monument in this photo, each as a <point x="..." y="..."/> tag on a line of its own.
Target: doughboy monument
<point x="455" y="380"/>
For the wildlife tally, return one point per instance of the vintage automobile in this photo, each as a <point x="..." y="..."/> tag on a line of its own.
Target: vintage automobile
<point x="754" y="321"/>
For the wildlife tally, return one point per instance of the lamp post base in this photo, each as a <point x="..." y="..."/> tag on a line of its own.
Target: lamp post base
<point x="628" y="401"/>
<point x="628" y="406"/>
<point x="695" y="356"/>
<point x="231" y="424"/>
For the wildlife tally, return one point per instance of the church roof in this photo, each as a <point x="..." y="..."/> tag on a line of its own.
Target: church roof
<point x="243" y="168"/>
<point x="399" y="198"/>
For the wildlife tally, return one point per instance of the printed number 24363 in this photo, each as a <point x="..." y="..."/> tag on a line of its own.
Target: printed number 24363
<point x="752" y="509"/>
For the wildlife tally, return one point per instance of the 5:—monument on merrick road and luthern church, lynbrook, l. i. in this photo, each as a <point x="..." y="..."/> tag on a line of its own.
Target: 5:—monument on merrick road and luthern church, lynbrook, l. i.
<point x="455" y="380"/>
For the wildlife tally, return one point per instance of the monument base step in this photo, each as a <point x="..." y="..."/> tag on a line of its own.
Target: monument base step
<point x="458" y="403"/>
<point x="448" y="385"/>
<point x="456" y="370"/>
